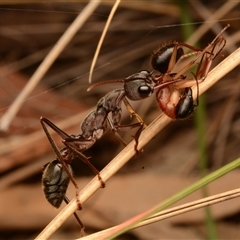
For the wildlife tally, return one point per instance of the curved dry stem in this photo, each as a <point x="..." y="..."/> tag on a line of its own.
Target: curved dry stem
<point x="47" y="62"/>
<point x="114" y="8"/>
<point x="184" y="208"/>
<point x="159" y="8"/>
<point x="211" y="21"/>
<point x="171" y="212"/>
<point x="128" y="152"/>
<point x="216" y="26"/>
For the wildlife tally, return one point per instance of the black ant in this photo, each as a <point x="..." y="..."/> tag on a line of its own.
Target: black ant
<point x="58" y="173"/>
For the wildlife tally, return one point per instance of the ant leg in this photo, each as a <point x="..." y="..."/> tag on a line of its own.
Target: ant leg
<point x="67" y="142"/>
<point x="173" y="58"/>
<point x="142" y="125"/>
<point x="202" y="71"/>
<point x="210" y="56"/>
<point x="217" y="40"/>
<point x="60" y="132"/>
<point x="64" y="135"/>
<point x="66" y="200"/>
<point x="132" y="112"/>
<point x="60" y="157"/>
<point x="184" y="69"/>
<point x="203" y="67"/>
<point x="56" y="129"/>
<point x="115" y="128"/>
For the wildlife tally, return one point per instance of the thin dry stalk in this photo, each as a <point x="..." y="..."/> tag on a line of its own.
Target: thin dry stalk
<point x="184" y="208"/>
<point x="216" y="26"/>
<point x="114" y="8"/>
<point x="127" y="153"/>
<point x="211" y="21"/>
<point x="47" y="62"/>
<point x="191" y="206"/>
<point x="159" y="8"/>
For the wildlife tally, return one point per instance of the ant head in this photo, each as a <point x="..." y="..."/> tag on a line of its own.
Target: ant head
<point x="139" y="85"/>
<point x="160" y="58"/>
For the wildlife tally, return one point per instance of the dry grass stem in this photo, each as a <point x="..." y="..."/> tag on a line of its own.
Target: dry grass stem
<point x="191" y="206"/>
<point x="216" y="27"/>
<point x="184" y="208"/>
<point x="114" y="8"/>
<point x="211" y="21"/>
<point x="169" y="9"/>
<point x="47" y="62"/>
<point x="127" y="153"/>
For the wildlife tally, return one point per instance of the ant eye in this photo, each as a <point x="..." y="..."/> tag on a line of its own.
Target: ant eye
<point x="138" y="89"/>
<point x="144" y="91"/>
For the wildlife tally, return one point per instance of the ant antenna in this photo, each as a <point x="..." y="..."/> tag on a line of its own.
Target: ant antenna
<point x="104" y="82"/>
<point x="162" y="85"/>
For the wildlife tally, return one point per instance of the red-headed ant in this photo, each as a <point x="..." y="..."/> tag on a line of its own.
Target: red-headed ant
<point x="176" y="99"/>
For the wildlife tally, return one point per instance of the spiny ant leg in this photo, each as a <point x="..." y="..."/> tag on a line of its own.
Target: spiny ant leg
<point x="77" y="218"/>
<point x="203" y="68"/>
<point x="136" y="137"/>
<point x="173" y="58"/>
<point x="139" y="125"/>
<point x="133" y="113"/>
<point x="56" y="129"/>
<point x="63" y="134"/>
<point x="114" y="130"/>
<point x="67" y="143"/>
<point x="209" y="50"/>
<point x="59" y="156"/>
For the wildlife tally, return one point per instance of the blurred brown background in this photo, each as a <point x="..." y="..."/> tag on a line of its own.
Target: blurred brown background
<point x="170" y="162"/>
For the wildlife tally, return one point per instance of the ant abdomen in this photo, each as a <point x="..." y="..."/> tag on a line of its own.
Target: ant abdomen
<point x="55" y="182"/>
<point x="160" y="58"/>
<point x="174" y="104"/>
<point x="185" y="106"/>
